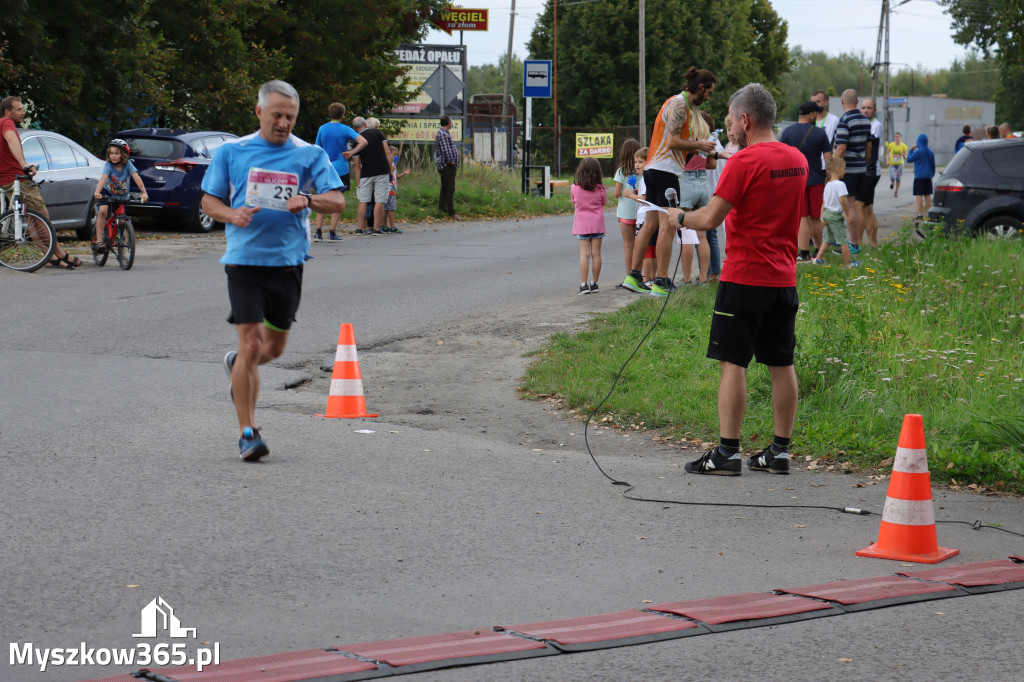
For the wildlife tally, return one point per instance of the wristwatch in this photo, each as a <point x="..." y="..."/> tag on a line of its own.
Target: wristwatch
<point x="309" y="198"/>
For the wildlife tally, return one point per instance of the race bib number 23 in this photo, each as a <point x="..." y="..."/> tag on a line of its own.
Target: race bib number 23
<point x="270" y="189"/>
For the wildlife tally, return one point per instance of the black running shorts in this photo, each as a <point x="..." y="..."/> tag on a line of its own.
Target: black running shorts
<point x="751" y="321"/>
<point x="657" y="181"/>
<point x="866" y="193"/>
<point x="267" y="295"/>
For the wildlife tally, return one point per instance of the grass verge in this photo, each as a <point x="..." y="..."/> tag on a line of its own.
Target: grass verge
<point x="933" y="327"/>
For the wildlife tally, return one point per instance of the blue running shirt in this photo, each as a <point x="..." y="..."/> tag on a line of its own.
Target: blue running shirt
<point x="250" y="171"/>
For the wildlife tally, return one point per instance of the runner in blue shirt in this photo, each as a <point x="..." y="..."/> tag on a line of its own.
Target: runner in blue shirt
<point x="262" y="187"/>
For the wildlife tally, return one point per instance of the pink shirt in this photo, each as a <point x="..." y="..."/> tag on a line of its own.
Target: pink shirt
<point x="589" y="216"/>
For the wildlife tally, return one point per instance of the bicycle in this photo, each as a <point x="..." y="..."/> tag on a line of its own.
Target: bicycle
<point x="118" y="233"/>
<point x="27" y="238"/>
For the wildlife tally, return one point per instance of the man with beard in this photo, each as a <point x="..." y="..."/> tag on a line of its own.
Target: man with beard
<point x="679" y="131"/>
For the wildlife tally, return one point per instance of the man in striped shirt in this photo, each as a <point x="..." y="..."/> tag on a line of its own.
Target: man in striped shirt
<point x="853" y="144"/>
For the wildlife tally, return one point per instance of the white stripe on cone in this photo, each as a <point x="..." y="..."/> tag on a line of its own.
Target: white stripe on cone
<point x="909" y="512"/>
<point x="346" y="354"/>
<point x="911" y="461"/>
<point x="347" y="387"/>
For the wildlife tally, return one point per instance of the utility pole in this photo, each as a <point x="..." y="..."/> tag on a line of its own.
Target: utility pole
<point x="643" y="73"/>
<point x="508" y="65"/>
<point x="882" y="44"/>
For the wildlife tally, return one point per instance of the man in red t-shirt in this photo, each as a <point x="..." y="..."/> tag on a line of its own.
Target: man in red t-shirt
<point x="759" y="196"/>
<point x="12" y="162"/>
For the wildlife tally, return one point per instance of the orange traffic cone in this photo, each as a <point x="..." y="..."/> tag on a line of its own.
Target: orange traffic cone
<point x="908" y="518"/>
<point x="346" y="396"/>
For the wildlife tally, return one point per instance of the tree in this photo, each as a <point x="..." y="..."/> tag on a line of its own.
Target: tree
<point x="89" y="68"/>
<point x="813" y="71"/>
<point x="343" y="52"/>
<point x="214" y="65"/>
<point x="490" y="79"/>
<point x="996" y="28"/>
<point x="81" y="69"/>
<point x="598" y="60"/>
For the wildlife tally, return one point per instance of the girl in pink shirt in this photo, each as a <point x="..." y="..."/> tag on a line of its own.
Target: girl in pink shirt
<point x="589" y="197"/>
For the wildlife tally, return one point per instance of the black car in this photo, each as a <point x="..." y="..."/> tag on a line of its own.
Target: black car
<point x="982" y="189"/>
<point x="172" y="164"/>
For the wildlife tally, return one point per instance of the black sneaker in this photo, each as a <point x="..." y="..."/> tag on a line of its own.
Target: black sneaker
<point x="716" y="464"/>
<point x="584" y="289"/>
<point x="766" y="461"/>
<point x="593" y="287"/>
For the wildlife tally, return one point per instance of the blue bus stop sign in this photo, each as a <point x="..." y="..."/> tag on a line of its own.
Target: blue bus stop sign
<point x="537" y="78"/>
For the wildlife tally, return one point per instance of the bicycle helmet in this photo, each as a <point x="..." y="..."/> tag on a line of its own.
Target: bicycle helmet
<point x="118" y="142"/>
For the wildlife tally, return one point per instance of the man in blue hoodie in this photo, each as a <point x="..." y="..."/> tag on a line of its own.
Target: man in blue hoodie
<point x="923" y="159"/>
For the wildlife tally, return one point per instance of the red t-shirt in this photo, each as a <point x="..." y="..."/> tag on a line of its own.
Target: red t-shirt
<point x="764" y="184"/>
<point x="8" y="166"/>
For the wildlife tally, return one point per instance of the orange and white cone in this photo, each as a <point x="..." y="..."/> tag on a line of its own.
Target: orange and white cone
<point x="346" y="398"/>
<point x="908" y="532"/>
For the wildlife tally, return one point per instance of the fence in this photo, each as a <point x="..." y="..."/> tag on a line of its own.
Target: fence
<point x="562" y="158"/>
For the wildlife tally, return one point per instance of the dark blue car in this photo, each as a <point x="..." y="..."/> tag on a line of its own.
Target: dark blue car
<point x="172" y="164"/>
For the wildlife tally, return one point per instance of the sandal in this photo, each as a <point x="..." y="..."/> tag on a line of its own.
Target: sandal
<point x="99" y="247"/>
<point x="68" y="263"/>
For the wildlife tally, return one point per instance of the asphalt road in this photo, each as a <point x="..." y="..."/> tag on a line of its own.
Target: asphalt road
<point x="464" y="508"/>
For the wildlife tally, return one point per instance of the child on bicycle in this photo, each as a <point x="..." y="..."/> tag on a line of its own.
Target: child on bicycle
<point x="117" y="174"/>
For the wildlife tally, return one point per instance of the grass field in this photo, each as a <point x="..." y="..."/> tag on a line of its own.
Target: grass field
<point x="933" y="327"/>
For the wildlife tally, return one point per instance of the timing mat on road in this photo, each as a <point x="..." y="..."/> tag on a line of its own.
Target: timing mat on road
<point x="671" y="620"/>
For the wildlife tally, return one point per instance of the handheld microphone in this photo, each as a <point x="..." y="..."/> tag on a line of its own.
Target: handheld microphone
<point x="672" y="197"/>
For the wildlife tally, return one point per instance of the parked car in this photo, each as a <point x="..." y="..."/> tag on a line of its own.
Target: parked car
<point x="70" y="174"/>
<point x="983" y="186"/>
<point x="172" y="164"/>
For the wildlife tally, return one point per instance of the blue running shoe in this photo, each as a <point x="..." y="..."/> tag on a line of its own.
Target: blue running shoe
<point x="251" y="447"/>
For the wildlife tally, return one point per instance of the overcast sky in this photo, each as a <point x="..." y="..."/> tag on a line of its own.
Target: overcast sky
<point x="919" y="34"/>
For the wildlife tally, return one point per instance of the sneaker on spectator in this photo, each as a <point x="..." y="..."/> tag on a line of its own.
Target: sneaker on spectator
<point x="836" y="250"/>
<point x="584" y="288"/>
<point x="335" y="238"/>
<point x="854" y="248"/>
<point x="633" y="284"/>
<point x="250" y="446"/>
<point x="712" y="462"/>
<point x="818" y="261"/>
<point x="659" y="287"/>
<point x="766" y="461"/>
<point x="593" y="287"/>
<point x="319" y="237"/>
<point x="854" y="263"/>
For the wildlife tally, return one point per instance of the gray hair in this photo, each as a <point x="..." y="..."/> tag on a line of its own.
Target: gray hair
<point x="372" y="123"/>
<point x="281" y="88"/>
<point x="754" y="100"/>
<point x="359" y="122"/>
